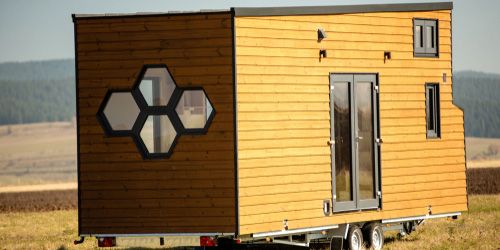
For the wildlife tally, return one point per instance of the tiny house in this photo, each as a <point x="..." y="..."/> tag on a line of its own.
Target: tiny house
<point x="291" y="125"/>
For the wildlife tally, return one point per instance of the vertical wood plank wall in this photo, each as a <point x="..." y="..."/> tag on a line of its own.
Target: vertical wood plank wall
<point x="283" y="117"/>
<point x="193" y="191"/>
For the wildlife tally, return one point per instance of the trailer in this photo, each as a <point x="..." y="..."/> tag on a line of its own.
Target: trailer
<point x="286" y="125"/>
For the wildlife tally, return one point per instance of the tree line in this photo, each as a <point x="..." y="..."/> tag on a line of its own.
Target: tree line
<point x="41" y="91"/>
<point x="478" y="94"/>
<point x="44" y="91"/>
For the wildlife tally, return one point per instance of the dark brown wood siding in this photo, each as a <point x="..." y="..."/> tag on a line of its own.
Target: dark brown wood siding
<point x="193" y="190"/>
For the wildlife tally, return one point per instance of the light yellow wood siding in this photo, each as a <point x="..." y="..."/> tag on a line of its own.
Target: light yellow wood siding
<point x="283" y="117"/>
<point x="192" y="191"/>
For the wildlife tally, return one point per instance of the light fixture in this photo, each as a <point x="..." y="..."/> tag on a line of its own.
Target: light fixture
<point x="322" y="53"/>
<point x="387" y="55"/>
<point x="326" y="207"/>
<point x="321" y="34"/>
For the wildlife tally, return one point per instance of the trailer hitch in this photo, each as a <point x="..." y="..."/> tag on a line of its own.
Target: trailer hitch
<point x="79" y="241"/>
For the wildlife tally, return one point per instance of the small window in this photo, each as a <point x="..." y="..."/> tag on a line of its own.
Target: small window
<point x="432" y="110"/>
<point x="158" y="134"/>
<point x="157" y="86"/>
<point x="156" y="112"/>
<point x="194" y="110"/>
<point x="425" y="38"/>
<point x="120" y="111"/>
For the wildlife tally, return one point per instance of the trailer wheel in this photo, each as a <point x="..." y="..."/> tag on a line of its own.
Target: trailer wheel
<point x="374" y="235"/>
<point x="336" y="243"/>
<point x="355" y="238"/>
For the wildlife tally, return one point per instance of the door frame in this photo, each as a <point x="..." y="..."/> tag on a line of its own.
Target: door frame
<point x="355" y="203"/>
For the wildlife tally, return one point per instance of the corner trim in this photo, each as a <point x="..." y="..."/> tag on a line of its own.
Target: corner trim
<point x="235" y="128"/>
<point x="77" y="93"/>
<point x="340" y="9"/>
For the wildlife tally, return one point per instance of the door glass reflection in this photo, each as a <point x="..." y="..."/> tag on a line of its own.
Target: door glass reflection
<point x="342" y="121"/>
<point x="364" y="130"/>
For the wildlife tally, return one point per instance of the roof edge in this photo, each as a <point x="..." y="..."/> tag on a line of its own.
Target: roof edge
<point x="149" y="14"/>
<point x="340" y="9"/>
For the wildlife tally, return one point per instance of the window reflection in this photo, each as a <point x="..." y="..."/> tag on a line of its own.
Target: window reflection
<point x="194" y="109"/>
<point x="158" y="134"/>
<point x="157" y="86"/>
<point x="121" y="110"/>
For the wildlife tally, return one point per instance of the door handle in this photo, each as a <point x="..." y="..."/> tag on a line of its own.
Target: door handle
<point x="360" y="138"/>
<point x="330" y="143"/>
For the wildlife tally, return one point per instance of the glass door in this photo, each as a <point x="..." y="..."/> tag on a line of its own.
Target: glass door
<point x="354" y="133"/>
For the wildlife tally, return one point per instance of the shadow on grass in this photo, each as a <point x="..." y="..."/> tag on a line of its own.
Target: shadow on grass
<point x="398" y="237"/>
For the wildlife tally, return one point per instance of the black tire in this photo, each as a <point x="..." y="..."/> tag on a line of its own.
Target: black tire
<point x="374" y="235"/>
<point x="354" y="238"/>
<point x="336" y="243"/>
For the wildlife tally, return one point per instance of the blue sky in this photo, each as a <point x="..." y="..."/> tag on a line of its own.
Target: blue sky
<point x="39" y="30"/>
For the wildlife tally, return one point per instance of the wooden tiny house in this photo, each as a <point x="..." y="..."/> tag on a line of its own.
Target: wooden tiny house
<point x="254" y="121"/>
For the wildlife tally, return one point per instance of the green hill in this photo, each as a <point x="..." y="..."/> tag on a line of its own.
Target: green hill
<point x="478" y="94"/>
<point x="45" y="91"/>
<point x="37" y="91"/>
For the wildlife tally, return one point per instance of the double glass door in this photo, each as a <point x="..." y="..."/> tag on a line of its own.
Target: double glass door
<point x="354" y="147"/>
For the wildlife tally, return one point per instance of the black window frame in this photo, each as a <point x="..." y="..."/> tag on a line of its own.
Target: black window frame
<point x="147" y="110"/>
<point x="432" y="111"/>
<point x="424" y="51"/>
<point x="194" y="131"/>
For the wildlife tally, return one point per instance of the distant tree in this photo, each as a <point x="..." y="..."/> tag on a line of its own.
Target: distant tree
<point x="44" y="91"/>
<point x="37" y="91"/>
<point x="478" y="95"/>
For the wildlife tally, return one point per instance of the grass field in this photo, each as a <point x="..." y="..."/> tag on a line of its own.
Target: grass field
<point x="482" y="152"/>
<point x="43" y="153"/>
<point x="37" y="153"/>
<point x="476" y="229"/>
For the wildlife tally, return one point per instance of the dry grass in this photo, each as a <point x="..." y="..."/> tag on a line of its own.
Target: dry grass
<point x="482" y="152"/>
<point x="38" y="201"/>
<point x="43" y="153"/>
<point x="46" y="153"/>
<point x="476" y="229"/>
<point x="40" y="230"/>
<point x="483" y="180"/>
<point x="37" y="153"/>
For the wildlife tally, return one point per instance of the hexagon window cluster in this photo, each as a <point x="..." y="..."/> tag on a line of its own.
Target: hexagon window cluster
<point x="155" y="112"/>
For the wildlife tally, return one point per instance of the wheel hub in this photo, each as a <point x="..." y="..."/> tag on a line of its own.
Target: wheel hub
<point x="376" y="240"/>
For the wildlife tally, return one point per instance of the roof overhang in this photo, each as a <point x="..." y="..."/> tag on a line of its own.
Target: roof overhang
<point x="341" y="9"/>
<point x="149" y="14"/>
<point x="291" y="11"/>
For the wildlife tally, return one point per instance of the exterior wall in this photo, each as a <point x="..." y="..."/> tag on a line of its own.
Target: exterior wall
<point x="284" y="164"/>
<point x="193" y="191"/>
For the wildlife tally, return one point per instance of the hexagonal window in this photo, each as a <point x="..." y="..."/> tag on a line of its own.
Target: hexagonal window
<point x="194" y="109"/>
<point x="158" y="134"/>
<point x="157" y="86"/>
<point x="121" y="111"/>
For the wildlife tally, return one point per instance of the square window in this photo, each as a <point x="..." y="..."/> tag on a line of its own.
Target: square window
<point x="433" y="119"/>
<point x="425" y="38"/>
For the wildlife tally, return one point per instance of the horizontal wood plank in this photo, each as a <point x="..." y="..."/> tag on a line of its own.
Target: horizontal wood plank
<point x="193" y="190"/>
<point x="284" y="117"/>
